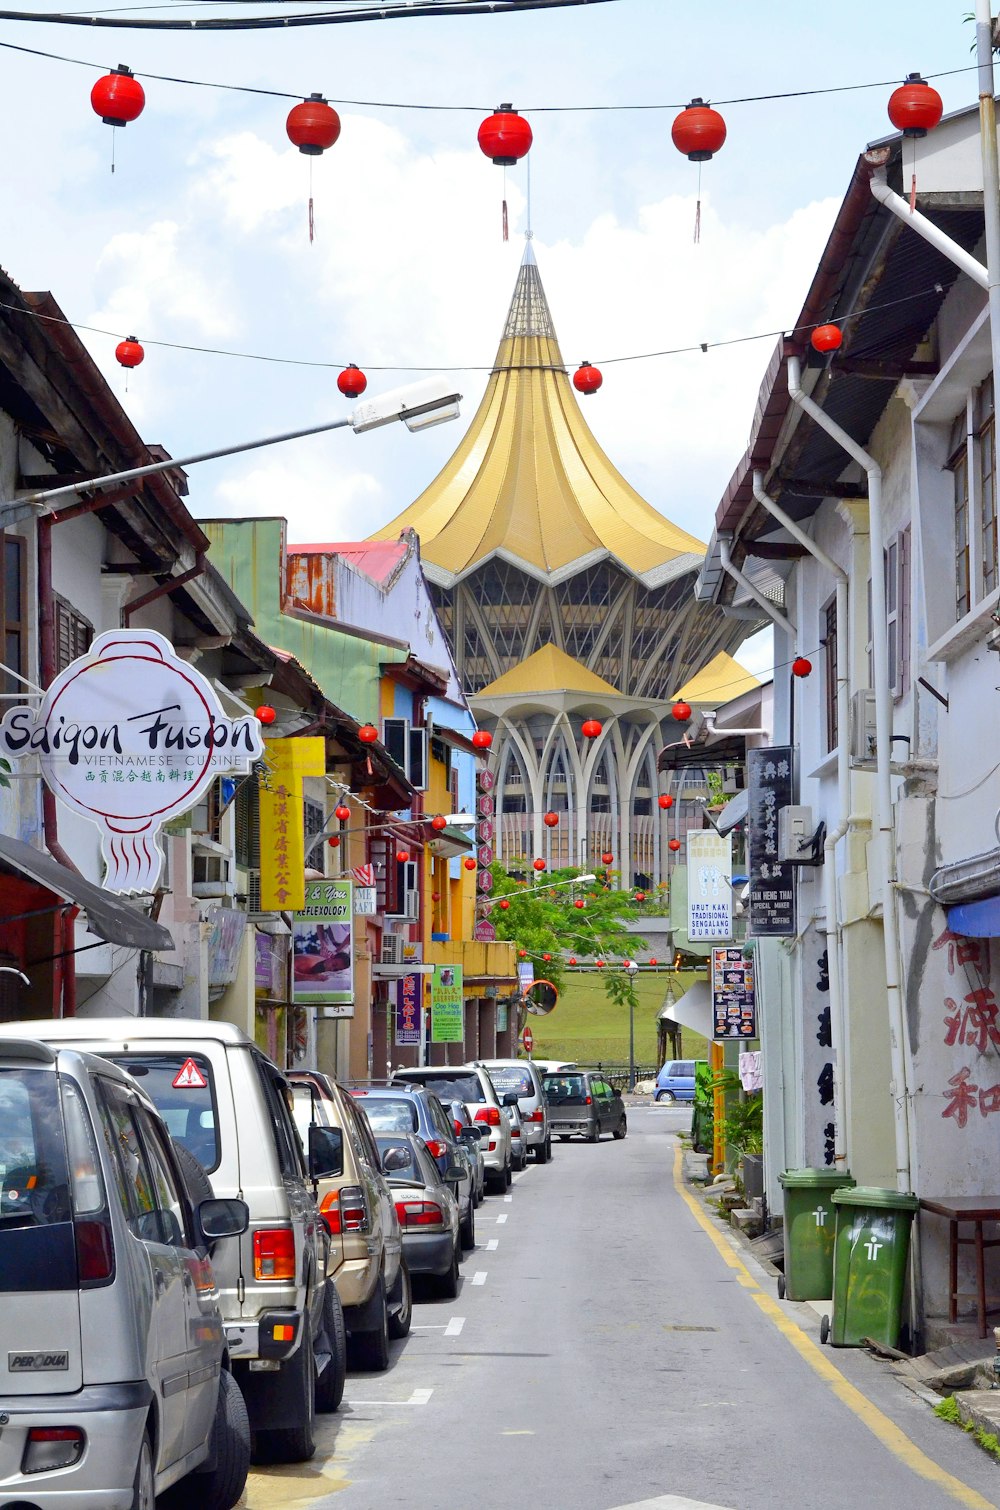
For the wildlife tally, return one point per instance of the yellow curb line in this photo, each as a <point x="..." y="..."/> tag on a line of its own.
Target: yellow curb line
<point x="887" y="1432"/>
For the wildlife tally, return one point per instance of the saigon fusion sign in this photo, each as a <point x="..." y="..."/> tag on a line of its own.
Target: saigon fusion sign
<point x="131" y="736"/>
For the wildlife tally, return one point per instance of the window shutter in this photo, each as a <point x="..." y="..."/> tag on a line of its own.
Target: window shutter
<point x="417" y="771"/>
<point x="394" y="739"/>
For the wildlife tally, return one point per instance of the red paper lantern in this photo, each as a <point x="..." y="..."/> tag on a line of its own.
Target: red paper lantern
<point x="551" y="820"/>
<point x="313" y="126"/>
<point x="579" y="902"/>
<point x="118" y="97"/>
<point x="599" y="963"/>
<point x="352" y="381"/>
<point x="129" y="353"/>
<point x="640" y="896"/>
<point x="800" y="666"/>
<point x="587" y="379"/>
<point x="505" y="136"/>
<point x="607" y="858"/>
<point x="435" y="896"/>
<point x="674" y="844"/>
<point x="547" y="958"/>
<point x="699" y="131"/>
<point x="652" y="961"/>
<point x="827" y="338"/>
<point x="522" y="954"/>
<point x="591" y="728"/>
<point x="504" y="904"/>
<point x="665" y="800"/>
<point x="469" y="863"/>
<point x="368" y="734"/>
<point x="682" y="712"/>
<point x="402" y="855"/>
<point x="482" y="739"/>
<point x="572" y="959"/>
<point x="438" y="822"/>
<point x="915" y="107"/>
<point x="266" y="714"/>
<point x="342" y="811"/>
<point x="334" y="841"/>
<point x="538" y="864"/>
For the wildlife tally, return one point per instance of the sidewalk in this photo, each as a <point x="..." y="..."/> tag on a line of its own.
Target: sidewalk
<point x="962" y="1368"/>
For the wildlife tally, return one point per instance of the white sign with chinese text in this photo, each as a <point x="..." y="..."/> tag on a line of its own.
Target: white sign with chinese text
<point x="131" y="736"/>
<point x="710" y="885"/>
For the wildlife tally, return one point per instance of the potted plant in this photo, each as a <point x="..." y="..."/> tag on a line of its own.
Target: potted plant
<point x="743" y="1130"/>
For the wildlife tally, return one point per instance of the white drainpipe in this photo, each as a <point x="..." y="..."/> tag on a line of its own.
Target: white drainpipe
<point x="708" y="720"/>
<point x="840" y="1139"/>
<point x="900" y="207"/>
<point x="782" y="620"/>
<point x="900" y="1089"/>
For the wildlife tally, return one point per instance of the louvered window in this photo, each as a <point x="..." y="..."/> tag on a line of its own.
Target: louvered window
<point x="74" y="633"/>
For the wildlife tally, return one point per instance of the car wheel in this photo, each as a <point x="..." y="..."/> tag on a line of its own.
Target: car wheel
<point x="295" y="1444"/>
<point x="401" y="1313"/>
<point x="665" y="1096"/>
<point x="824" y="1329"/>
<point x="496" y="1181"/>
<point x="467" y="1229"/>
<point x="220" y="1488"/>
<point x="448" y="1283"/>
<point x="781" y="1287"/>
<point x="594" y="1136"/>
<point x="542" y="1153"/>
<point x="143" y="1485"/>
<point x="506" y="1177"/>
<point x="330" y="1384"/>
<point x="370" y="1350"/>
<point x="621" y="1129"/>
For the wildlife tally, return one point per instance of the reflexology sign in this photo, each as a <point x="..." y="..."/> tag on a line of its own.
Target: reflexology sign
<point x="131" y="736"/>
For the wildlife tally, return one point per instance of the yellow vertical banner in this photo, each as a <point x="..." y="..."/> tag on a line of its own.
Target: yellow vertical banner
<point x="282" y="827"/>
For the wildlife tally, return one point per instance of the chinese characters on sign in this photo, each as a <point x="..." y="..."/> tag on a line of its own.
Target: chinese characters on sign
<point x="970" y="1023"/>
<point x="282" y="830"/>
<point x="733" y="1012"/>
<point x="483" y="930"/>
<point x="323" y="948"/>
<point x="408" y="1009"/>
<point x="772" y="885"/>
<point x="447" y="1005"/>
<point x="710" y="885"/>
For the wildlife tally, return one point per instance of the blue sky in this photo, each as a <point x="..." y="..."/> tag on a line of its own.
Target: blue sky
<point x="200" y="236"/>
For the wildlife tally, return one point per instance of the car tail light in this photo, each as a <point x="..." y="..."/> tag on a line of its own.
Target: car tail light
<point x="274" y="1253"/>
<point x="353" y="1209"/>
<point x="458" y="1128"/>
<point x="515" y="1131"/>
<point x="50" y="1447"/>
<point x="419" y="1214"/>
<point x="590" y="1100"/>
<point x="95" y="1253"/>
<point x="490" y="1115"/>
<point x="436" y="1148"/>
<point x="536" y="1116"/>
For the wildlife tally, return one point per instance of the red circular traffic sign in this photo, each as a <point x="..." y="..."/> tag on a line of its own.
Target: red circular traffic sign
<point x="528" y="1040"/>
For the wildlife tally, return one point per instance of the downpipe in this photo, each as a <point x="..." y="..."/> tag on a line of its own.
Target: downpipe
<point x="841" y="1153"/>
<point x="782" y="620"/>
<point x="900" y="1088"/>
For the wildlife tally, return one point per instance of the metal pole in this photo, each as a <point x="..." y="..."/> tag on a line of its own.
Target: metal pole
<point x="631" y="1036"/>
<point x="991" y="181"/>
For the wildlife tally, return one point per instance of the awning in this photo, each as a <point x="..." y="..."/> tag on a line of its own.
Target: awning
<point x="975" y="920"/>
<point x="694" y="1010"/>
<point x="112" y="919"/>
<point x="450" y="841"/>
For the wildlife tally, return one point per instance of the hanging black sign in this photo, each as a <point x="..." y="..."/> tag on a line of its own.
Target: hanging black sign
<point x="772" y="884"/>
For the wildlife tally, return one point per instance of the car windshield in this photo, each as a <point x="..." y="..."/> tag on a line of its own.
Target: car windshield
<point x="37" y="1248"/>
<point x="389" y="1115"/>
<point x="566" y="1088"/>
<point x="511" y="1077"/>
<point x="181" y="1087"/>
<point x="451" y="1087"/>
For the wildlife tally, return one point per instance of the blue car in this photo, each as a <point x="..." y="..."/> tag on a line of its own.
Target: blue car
<point x="393" y="1109"/>
<point x="675" y="1082"/>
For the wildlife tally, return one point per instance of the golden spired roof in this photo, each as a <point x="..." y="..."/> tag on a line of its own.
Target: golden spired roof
<point x="530" y="480"/>
<point x="719" y="682"/>
<point x="548" y="670"/>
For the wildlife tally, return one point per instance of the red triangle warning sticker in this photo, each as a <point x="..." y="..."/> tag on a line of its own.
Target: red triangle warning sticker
<point x="189" y="1077"/>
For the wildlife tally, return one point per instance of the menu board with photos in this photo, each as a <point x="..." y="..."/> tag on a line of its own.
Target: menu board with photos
<point x="734" y="1013"/>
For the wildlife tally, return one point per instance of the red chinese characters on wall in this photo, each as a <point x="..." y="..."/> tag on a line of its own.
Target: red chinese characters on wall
<point x="970" y="1021"/>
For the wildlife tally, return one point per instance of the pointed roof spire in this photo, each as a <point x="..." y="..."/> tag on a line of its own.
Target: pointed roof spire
<point x="530" y="480"/>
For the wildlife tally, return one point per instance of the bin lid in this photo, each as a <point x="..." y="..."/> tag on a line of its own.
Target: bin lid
<point x="814" y="1179"/>
<point x="872" y="1195"/>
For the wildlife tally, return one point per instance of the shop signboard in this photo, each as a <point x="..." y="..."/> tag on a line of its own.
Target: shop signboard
<point x="710" y="885"/>
<point x="282" y="832"/>
<point x="772" y="884"/>
<point x="734" y="1013"/>
<point x="407" y="1009"/>
<point x="323" y="948"/>
<point x="447" y="1005"/>
<point x="131" y="736"/>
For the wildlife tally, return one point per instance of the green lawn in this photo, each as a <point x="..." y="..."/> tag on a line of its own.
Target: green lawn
<point x="585" y="1026"/>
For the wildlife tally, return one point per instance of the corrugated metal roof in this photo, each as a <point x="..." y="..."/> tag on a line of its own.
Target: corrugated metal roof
<point x="548" y="670"/>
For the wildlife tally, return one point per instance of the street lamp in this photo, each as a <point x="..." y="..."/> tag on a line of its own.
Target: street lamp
<point x="631" y="970"/>
<point x="418" y="405"/>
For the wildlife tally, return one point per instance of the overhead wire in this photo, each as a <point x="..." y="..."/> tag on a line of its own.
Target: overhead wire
<point x="403" y="9"/>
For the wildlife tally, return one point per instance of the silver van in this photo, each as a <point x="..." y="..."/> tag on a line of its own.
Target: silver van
<point x="523" y="1078"/>
<point x="114" y="1380"/>
<point x="230" y="1106"/>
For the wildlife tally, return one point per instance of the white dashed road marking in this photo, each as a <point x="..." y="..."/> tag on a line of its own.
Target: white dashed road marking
<point x="454" y="1327"/>
<point x="493" y="1244"/>
<point x="508" y="1197"/>
<point x="479" y="1278"/>
<point x="501" y="1219"/>
<point x="418" y="1397"/>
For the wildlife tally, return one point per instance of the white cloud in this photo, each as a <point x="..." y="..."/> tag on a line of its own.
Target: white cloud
<point x="320" y="496"/>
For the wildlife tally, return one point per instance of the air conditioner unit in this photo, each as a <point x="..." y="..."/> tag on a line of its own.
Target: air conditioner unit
<point x="733" y="779"/>
<point x="211" y="876"/>
<point x="795" y="835"/>
<point x="411" y="905"/>
<point x="863" y="729"/>
<point x="392" y="949"/>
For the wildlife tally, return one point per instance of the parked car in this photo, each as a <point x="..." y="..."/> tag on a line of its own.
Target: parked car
<point x="471" y="1134"/>
<point x="366" y="1244"/>
<point x="114" y="1374"/>
<point x="426" y="1207"/>
<point x="552" y="1066"/>
<point x="224" y="1100"/>
<point x="518" y="1141"/>
<point x="582" y="1103"/>
<point x="471" y="1083"/>
<point x="417" y="1110"/>
<point x="675" y="1082"/>
<point x="523" y="1077"/>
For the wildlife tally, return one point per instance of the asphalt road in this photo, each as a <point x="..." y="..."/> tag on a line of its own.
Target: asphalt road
<point x="603" y="1353"/>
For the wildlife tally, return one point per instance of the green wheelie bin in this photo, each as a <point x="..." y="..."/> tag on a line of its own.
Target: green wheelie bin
<point x="808" y="1232"/>
<point x="871" y="1247"/>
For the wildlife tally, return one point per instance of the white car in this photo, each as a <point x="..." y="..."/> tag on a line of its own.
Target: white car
<point x="524" y="1078"/>
<point x="471" y="1083"/>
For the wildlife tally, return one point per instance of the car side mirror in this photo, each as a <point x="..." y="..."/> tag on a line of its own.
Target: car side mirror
<point x="222" y="1218"/>
<point x="456" y="1172"/>
<point x="510" y="1099"/>
<point x="326" y="1152"/>
<point x="469" y="1134"/>
<point x="395" y="1158"/>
